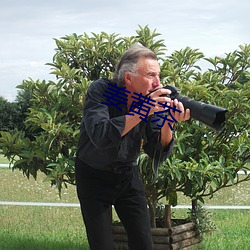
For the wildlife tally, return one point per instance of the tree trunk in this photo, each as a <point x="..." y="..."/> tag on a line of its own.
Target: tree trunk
<point x="168" y="216"/>
<point x="152" y="213"/>
<point x="194" y="205"/>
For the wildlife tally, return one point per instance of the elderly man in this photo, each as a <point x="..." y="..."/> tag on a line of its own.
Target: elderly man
<point x="112" y="129"/>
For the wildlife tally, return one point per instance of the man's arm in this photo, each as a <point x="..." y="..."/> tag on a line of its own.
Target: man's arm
<point x="166" y="133"/>
<point x="130" y="122"/>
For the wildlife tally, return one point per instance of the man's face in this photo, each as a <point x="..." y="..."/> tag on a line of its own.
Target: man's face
<point x="147" y="78"/>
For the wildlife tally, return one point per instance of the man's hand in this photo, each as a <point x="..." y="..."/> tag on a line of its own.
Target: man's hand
<point x="158" y="98"/>
<point x="166" y="131"/>
<point x="184" y="115"/>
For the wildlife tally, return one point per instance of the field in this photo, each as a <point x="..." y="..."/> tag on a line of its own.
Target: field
<point x="54" y="228"/>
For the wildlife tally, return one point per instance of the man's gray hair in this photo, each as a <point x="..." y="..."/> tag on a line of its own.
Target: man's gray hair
<point x="129" y="60"/>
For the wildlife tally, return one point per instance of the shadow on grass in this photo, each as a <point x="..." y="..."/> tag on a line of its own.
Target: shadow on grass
<point x="12" y="242"/>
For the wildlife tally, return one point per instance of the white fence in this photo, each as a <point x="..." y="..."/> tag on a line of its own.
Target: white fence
<point x="61" y="204"/>
<point x="2" y="165"/>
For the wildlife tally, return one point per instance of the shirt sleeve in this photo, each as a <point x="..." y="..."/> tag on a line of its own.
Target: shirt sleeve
<point x="103" y="130"/>
<point x="153" y="146"/>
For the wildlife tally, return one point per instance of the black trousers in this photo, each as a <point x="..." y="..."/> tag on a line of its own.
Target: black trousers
<point x="98" y="191"/>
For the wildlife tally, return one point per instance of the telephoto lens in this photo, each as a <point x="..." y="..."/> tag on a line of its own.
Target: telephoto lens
<point x="211" y="115"/>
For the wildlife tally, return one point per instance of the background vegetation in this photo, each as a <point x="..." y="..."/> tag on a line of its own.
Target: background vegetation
<point x="203" y="161"/>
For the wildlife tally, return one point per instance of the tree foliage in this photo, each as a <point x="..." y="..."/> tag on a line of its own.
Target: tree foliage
<point x="203" y="161"/>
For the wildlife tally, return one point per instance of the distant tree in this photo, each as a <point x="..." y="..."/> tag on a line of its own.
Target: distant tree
<point x="9" y="115"/>
<point x="13" y="114"/>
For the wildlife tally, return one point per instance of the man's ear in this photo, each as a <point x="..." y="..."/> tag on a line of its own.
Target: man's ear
<point x="128" y="78"/>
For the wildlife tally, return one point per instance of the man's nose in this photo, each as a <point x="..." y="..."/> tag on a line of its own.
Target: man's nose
<point x="157" y="82"/>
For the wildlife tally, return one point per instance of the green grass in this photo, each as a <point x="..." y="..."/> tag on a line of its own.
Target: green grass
<point x="17" y="187"/>
<point x="35" y="228"/>
<point x="50" y="228"/>
<point x="233" y="231"/>
<point x="54" y="228"/>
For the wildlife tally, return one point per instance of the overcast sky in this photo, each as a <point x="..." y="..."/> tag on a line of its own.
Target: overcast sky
<point x="27" y="29"/>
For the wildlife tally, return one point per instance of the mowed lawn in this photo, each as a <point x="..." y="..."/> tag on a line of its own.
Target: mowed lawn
<point x="52" y="228"/>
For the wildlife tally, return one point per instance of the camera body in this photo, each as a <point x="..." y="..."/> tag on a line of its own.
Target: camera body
<point x="174" y="92"/>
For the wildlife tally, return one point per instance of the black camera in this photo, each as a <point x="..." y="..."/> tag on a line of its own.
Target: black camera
<point x="208" y="114"/>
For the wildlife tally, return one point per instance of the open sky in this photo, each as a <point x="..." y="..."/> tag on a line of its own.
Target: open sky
<point x="27" y="29"/>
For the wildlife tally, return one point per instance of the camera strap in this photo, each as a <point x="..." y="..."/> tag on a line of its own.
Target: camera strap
<point x="156" y="157"/>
